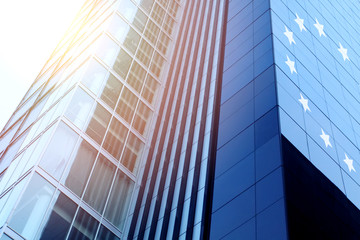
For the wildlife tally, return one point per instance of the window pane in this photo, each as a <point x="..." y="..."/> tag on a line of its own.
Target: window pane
<point x="158" y="14"/>
<point x="142" y="118"/>
<point x="84" y="227"/>
<point x="115" y="138"/>
<point x="152" y="32"/>
<point x="120" y="196"/>
<point x="58" y="223"/>
<point x="79" y="168"/>
<point x="59" y="150"/>
<point x="122" y="64"/>
<point x="157" y="64"/>
<point x="111" y="91"/>
<point x="132" y="40"/>
<point x="150" y="89"/>
<point x="79" y="108"/>
<point x="94" y="76"/>
<point x="127" y="9"/>
<point x="30" y="211"/>
<point x="100" y="182"/>
<point x="98" y="123"/>
<point x="136" y="76"/>
<point x="105" y="233"/>
<point x="132" y="153"/>
<point x="145" y="52"/>
<point x="107" y="50"/>
<point x="127" y="104"/>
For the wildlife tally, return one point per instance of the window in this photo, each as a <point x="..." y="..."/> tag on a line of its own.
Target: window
<point x="105" y="233"/>
<point x="31" y="209"/>
<point x="145" y="52"/>
<point x="107" y="50"/>
<point x="122" y="64"/>
<point x="115" y="138"/>
<point x="79" y="108"/>
<point x="132" y="153"/>
<point x="150" y="89"/>
<point x="94" y="76"/>
<point x="111" y="91"/>
<point x="99" y="185"/>
<point x="59" y="150"/>
<point x="136" y="77"/>
<point x="84" y="227"/>
<point x="98" y="123"/>
<point x="58" y="222"/>
<point x="127" y="104"/>
<point x="119" y="200"/>
<point x="78" y="171"/>
<point x="142" y="118"/>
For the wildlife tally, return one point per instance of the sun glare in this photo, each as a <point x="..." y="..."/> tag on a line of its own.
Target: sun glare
<point x="30" y="30"/>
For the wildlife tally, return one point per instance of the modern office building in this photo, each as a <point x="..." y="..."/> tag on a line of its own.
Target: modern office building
<point x="167" y="119"/>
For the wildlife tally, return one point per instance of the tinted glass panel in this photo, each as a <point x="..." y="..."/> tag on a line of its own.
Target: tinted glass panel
<point x="84" y="227"/>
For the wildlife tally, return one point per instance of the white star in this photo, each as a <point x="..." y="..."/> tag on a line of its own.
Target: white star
<point x="320" y="28"/>
<point x="305" y="103"/>
<point x="300" y="22"/>
<point x="326" y="138"/>
<point x="289" y="35"/>
<point x="349" y="162"/>
<point x="291" y="64"/>
<point x="343" y="51"/>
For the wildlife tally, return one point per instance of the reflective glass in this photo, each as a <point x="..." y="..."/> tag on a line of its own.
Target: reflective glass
<point x="107" y="50"/>
<point x="132" y="153"/>
<point x="94" y="76"/>
<point x="127" y="104"/>
<point x="58" y="221"/>
<point x="136" y="77"/>
<point x="111" y="91"/>
<point x="142" y="118"/>
<point x="105" y="233"/>
<point x="117" y="207"/>
<point x="99" y="185"/>
<point x="122" y="64"/>
<point x="59" y="150"/>
<point x="84" y="227"/>
<point x="31" y="209"/>
<point x="78" y="170"/>
<point x="98" y="123"/>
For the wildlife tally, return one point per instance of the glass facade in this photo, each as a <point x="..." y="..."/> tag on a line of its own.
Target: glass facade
<point x="169" y="119"/>
<point x="70" y="154"/>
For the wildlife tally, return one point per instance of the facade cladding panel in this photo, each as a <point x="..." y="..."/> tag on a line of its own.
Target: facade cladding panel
<point x="166" y="119"/>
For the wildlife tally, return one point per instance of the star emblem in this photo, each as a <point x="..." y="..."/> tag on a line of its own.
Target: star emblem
<point x="326" y="138"/>
<point x="320" y="28"/>
<point x="343" y="51"/>
<point x="349" y="162"/>
<point x="289" y="35"/>
<point x="300" y="22"/>
<point x="291" y="64"/>
<point x="304" y="102"/>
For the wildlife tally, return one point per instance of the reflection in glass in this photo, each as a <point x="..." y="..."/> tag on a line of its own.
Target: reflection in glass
<point x="107" y="50"/>
<point x="85" y="226"/>
<point x="58" y="222"/>
<point x="105" y="233"/>
<point x="142" y="118"/>
<point x="120" y="196"/>
<point x="98" y="123"/>
<point x="150" y="89"/>
<point x="99" y="184"/>
<point x="31" y="209"/>
<point x="79" y="108"/>
<point x="132" y="153"/>
<point x="122" y="64"/>
<point x="111" y="91"/>
<point x="127" y="104"/>
<point x="145" y="52"/>
<point x="136" y="76"/>
<point x="94" y="76"/>
<point x="115" y="138"/>
<point x="59" y="150"/>
<point x="78" y="171"/>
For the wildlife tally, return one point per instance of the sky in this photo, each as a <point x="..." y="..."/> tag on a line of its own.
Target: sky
<point x="29" y="32"/>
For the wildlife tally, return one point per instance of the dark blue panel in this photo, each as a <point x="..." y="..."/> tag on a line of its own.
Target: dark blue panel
<point x="262" y="27"/>
<point x="265" y="100"/>
<point x="233" y="214"/>
<point x="235" y="150"/>
<point x="242" y="174"/>
<point x="271" y="223"/>
<point x="260" y="6"/>
<point x="247" y="231"/>
<point x="267" y="157"/>
<point x="269" y="189"/>
<point x="266" y="127"/>
<point x="238" y="100"/>
<point x="264" y="80"/>
<point x="236" y="6"/>
<point x="236" y="123"/>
